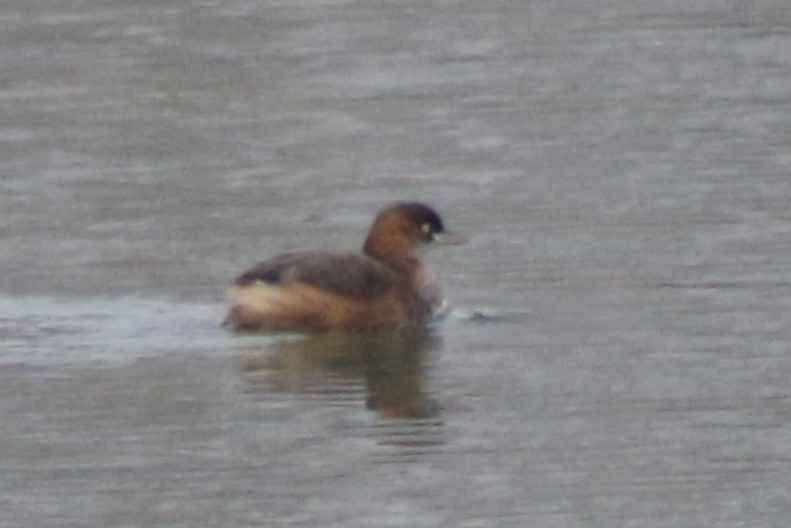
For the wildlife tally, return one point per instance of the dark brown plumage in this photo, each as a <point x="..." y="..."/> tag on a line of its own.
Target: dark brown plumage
<point x="386" y="285"/>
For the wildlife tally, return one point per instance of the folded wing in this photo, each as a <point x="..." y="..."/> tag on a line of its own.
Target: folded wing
<point x="341" y="273"/>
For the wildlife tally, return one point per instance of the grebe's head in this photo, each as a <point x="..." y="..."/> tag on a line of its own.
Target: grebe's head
<point x="402" y="228"/>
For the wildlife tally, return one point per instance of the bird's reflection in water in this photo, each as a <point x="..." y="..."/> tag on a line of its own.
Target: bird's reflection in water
<point x="387" y="370"/>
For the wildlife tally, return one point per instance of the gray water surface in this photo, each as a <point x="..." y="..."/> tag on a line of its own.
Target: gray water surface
<point x="619" y="353"/>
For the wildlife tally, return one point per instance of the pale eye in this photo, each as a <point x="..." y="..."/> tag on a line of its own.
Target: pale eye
<point x="426" y="228"/>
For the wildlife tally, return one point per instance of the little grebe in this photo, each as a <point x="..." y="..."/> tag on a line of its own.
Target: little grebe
<point x="387" y="285"/>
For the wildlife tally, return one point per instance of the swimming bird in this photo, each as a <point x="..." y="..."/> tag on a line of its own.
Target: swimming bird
<point x="385" y="285"/>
